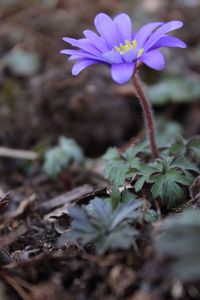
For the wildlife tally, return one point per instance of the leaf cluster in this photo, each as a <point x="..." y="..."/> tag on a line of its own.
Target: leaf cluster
<point x="180" y="240"/>
<point x="59" y="157"/>
<point x="167" y="176"/>
<point x="98" y="224"/>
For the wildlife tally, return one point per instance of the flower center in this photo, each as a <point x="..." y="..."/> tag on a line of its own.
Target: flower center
<point x="123" y="49"/>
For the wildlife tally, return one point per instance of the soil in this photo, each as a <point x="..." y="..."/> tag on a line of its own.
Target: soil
<point x="38" y="108"/>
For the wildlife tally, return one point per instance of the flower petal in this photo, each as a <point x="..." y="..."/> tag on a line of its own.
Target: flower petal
<point x="83" y="44"/>
<point x="144" y="32"/>
<point x="168" y="41"/>
<point x="107" y="29"/>
<point x="82" y="64"/>
<point x="167" y="27"/>
<point x="121" y="73"/>
<point x="82" y="54"/>
<point x="124" y="27"/>
<point x="154" y="59"/>
<point x="113" y="57"/>
<point x="96" y="40"/>
<point x="73" y="57"/>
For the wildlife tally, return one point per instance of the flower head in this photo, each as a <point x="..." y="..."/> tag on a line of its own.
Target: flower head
<point x="117" y="46"/>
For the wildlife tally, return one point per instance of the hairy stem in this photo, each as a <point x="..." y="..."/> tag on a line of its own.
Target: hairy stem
<point x="148" y="115"/>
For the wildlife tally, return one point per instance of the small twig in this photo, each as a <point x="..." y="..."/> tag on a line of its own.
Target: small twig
<point x="20" y="154"/>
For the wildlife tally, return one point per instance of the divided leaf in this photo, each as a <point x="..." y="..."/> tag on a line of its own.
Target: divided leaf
<point x="166" y="187"/>
<point x="97" y="224"/>
<point x="118" y="166"/>
<point x="59" y="157"/>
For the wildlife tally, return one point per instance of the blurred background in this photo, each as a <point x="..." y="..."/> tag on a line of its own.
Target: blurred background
<point x="40" y="100"/>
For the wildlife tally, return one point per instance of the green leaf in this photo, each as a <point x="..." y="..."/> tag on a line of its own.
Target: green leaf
<point x="141" y="181"/>
<point x="176" y="90"/>
<point x="194" y="145"/>
<point x="145" y="174"/>
<point x="166" y="186"/>
<point x="127" y="196"/>
<point x="22" y="63"/>
<point x="59" y="157"/>
<point x="178" y="146"/>
<point x="118" y="166"/>
<point x="181" y="147"/>
<point x="115" y="197"/>
<point x="167" y="131"/>
<point x="133" y="151"/>
<point x="97" y="224"/>
<point x="184" y="164"/>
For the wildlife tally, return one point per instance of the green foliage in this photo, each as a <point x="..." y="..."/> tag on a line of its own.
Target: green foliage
<point x="22" y="63"/>
<point x="181" y="241"/>
<point x="97" y="224"/>
<point x="167" y="131"/>
<point x="182" y="146"/>
<point x="167" y="176"/>
<point x="117" y="196"/>
<point x="176" y="90"/>
<point x="120" y="166"/>
<point x="59" y="157"/>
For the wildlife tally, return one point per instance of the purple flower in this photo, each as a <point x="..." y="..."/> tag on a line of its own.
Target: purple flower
<point x="118" y="47"/>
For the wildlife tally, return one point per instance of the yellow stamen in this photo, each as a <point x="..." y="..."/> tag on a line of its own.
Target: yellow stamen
<point x="123" y="49"/>
<point x="134" y="43"/>
<point x="140" y="52"/>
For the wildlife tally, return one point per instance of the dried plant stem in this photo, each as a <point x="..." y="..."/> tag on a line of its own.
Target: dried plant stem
<point x="19" y="154"/>
<point x="148" y="115"/>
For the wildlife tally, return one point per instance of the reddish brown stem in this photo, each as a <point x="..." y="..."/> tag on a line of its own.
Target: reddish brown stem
<point x="148" y="115"/>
